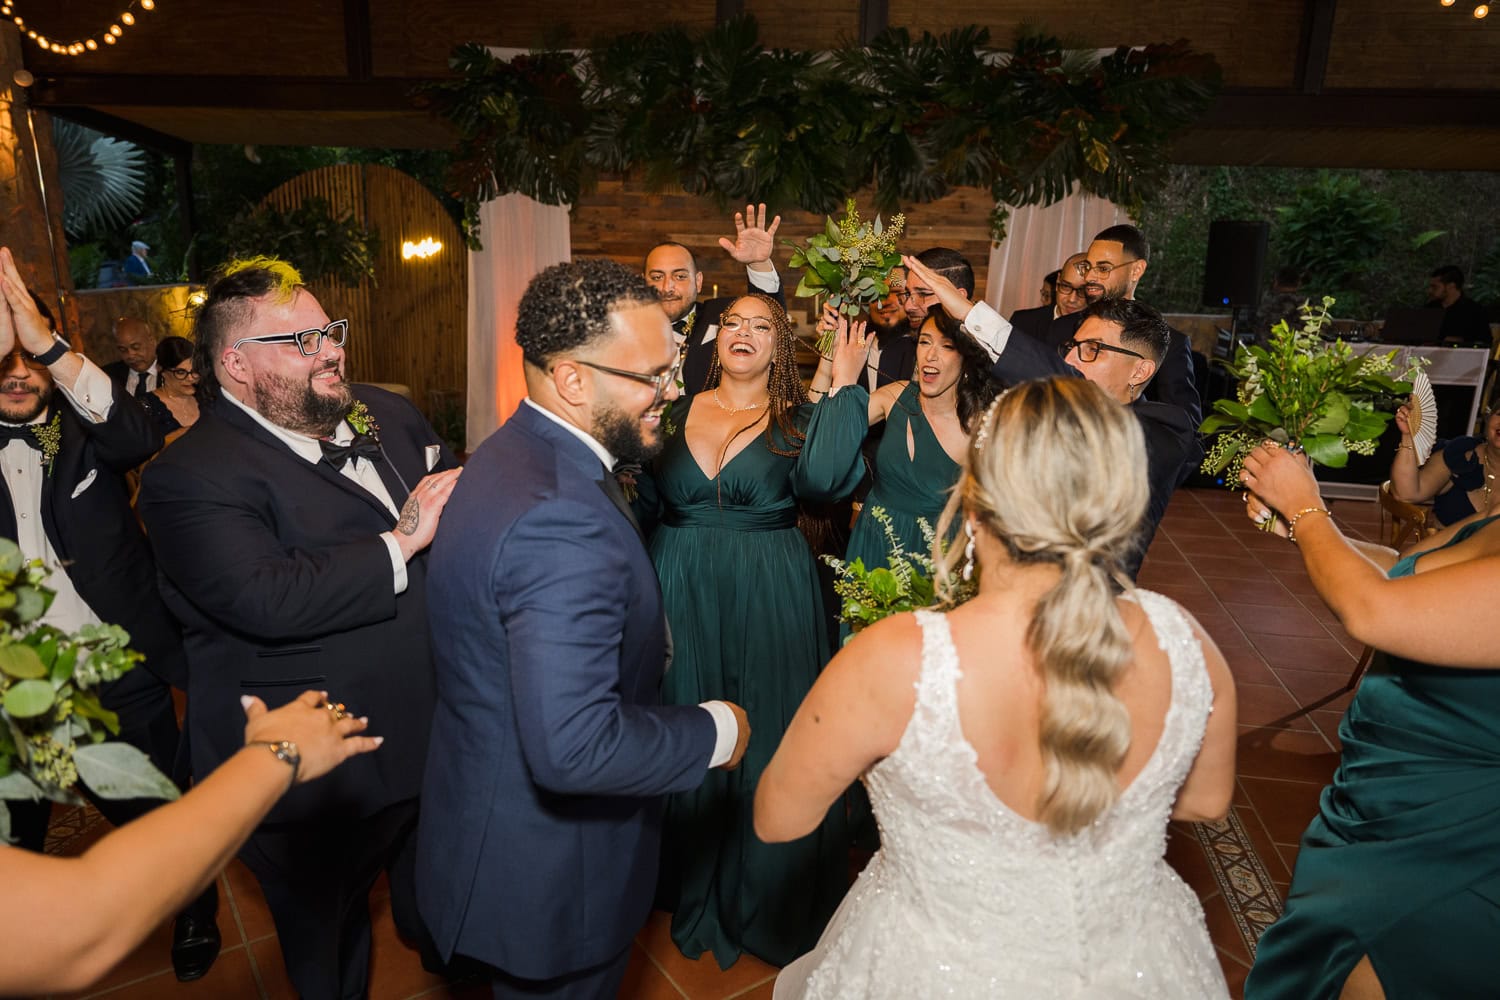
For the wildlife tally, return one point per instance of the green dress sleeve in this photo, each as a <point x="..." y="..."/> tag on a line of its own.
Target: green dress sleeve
<point x="831" y="463"/>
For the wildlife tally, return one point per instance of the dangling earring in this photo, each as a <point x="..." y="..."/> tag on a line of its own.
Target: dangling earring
<point x="968" y="571"/>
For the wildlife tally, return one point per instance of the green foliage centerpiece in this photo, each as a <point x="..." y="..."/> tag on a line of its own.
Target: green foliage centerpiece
<point x="850" y="261"/>
<point x="1303" y="392"/>
<point x="52" y="725"/>
<point x="869" y="595"/>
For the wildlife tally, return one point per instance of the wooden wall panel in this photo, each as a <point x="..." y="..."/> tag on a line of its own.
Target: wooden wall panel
<point x="1396" y="43"/>
<point x="792" y="24"/>
<point x="1255" y="41"/>
<point x="623" y="220"/>
<point x="409" y="326"/>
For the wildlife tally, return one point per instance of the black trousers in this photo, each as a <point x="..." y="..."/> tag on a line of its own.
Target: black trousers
<point x="317" y="879"/>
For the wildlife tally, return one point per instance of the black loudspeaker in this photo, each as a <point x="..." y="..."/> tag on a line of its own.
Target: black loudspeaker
<point x="1236" y="260"/>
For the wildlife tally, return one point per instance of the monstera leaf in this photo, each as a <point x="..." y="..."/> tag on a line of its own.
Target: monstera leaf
<point x="103" y="179"/>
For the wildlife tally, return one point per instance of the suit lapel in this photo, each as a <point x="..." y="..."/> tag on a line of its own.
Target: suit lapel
<point x="322" y="469"/>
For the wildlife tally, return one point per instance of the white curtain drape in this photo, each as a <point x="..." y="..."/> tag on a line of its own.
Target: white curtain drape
<point x="521" y="238"/>
<point x="1038" y="239"/>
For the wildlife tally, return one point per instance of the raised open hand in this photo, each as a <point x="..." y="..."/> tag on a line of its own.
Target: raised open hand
<point x="851" y="351"/>
<point x="754" y="238"/>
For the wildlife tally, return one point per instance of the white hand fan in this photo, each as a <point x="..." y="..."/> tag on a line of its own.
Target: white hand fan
<point x="1423" y="416"/>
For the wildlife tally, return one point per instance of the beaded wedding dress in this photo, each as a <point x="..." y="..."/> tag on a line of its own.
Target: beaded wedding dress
<point x="968" y="899"/>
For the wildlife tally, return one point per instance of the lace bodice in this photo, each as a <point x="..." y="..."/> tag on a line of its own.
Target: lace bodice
<point x="967" y="898"/>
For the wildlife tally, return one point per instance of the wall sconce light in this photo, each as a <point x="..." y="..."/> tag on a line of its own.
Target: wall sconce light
<point x="429" y="247"/>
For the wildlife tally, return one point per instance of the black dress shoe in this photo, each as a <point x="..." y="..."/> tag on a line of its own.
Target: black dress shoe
<point x="195" y="945"/>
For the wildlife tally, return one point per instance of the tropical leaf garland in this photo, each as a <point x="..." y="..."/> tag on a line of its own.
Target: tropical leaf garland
<point x="721" y="115"/>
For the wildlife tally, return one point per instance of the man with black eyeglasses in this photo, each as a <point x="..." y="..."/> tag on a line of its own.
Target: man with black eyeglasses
<point x="1119" y="345"/>
<point x="289" y="525"/>
<point x="1067" y="298"/>
<point x="1114" y="264"/>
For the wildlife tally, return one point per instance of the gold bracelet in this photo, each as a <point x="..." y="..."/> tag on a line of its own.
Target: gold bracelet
<point x="1407" y="447"/>
<point x="1291" y="526"/>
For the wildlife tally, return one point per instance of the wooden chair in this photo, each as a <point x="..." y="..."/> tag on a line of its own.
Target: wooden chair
<point x="1409" y="523"/>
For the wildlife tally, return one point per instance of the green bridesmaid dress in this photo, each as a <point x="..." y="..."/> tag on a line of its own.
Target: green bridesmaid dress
<point x="740" y="589"/>
<point x="1402" y="862"/>
<point x="907" y="484"/>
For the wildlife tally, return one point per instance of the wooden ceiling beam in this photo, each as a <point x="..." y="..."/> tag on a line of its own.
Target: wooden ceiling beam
<point x="269" y="92"/>
<point x="1314" y="45"/>
<point x="1247" y="108"/>
<point x="123" y="128"/>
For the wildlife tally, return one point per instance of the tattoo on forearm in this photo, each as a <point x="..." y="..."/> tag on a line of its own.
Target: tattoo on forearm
<point x="411" y="516"/>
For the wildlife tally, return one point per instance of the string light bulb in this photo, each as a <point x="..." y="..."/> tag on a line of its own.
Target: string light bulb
<point x="1447" y="3"/>
<point x="1481" y="12"/>
<point x="111" y="35"/>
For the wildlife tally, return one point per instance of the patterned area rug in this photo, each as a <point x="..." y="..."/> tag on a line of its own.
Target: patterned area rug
<point x="1241" y="875"/>
<point x="74" y="828"/>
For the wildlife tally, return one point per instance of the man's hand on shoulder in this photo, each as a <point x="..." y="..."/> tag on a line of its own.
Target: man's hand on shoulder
<point x="741" y="738"/>
<point x="423" y="509"/>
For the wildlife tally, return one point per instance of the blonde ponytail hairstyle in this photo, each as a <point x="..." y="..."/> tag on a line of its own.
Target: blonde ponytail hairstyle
<point x="1057" y="472"/>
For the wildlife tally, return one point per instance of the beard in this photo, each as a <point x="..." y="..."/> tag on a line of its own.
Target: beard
<point x="622" y="435"/>
<point x="28" y="410"/>
<point x="295" y="405"/>
<point x="885" y="332"/>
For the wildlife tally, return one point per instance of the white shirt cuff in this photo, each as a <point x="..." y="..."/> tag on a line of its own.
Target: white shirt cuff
<point x="726" y="730"/>
<point x="987" y="326"/>
<point x="398" y="561"/>
<point x="92" y="394"/>
<point x="764" y="281"/>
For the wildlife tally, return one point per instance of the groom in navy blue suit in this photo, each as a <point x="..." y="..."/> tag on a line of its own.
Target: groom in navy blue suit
<point x="551" y="752"/>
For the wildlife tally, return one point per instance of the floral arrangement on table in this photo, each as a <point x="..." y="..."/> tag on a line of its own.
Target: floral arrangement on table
<point x="869" y="595"/>
<point x="1309" y="394"/>
<point x="850" y="262"/>
<point x="52" y="725"/>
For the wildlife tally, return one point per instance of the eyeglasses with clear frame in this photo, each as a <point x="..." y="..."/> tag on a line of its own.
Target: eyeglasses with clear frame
<point x="733" y="322"/>
<point x="1088" y="350"/>
<point x="1102" y="269"/>
<point x="660" y="381"/>
<point x="309" y="342"/>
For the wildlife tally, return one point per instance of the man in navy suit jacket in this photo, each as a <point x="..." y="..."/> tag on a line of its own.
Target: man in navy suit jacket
<point x="541" y="806"/>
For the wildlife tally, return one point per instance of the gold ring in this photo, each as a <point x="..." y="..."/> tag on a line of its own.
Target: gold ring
<point x="337" y="711"/>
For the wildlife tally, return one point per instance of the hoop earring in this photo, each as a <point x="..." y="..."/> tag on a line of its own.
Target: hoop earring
<point x="968" y="571"/>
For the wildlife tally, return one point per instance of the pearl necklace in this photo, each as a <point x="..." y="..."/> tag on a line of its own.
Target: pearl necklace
<point x="734" y="409"/>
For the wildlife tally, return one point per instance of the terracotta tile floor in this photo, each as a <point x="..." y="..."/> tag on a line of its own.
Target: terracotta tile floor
<point x="1249" y="591"/>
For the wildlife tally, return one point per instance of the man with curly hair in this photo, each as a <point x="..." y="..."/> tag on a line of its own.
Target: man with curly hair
<point x="551" y="751"/>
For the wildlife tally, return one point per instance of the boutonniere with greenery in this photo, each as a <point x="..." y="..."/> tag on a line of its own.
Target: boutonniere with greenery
<point x="360" y="419"/>
<point x="49" y="436"/>
<point x="850" y="261"/>
<point x="869" y="595"/>
<point x="53" y="727"/>
<point x="1312" y="395"/>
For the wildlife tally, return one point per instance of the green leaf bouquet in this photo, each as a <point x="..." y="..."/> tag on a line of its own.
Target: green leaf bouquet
<point x="53" y="727"/>
<point x="869" y="595"/>
<point x="850" y="262"/>
<point x="1316" y="396"/>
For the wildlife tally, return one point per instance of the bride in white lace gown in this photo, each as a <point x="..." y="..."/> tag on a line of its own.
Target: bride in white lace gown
<point x="1023" y="752"/>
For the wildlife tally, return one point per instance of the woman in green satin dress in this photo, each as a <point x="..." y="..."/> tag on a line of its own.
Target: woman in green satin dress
<point x="927" y="421"/>
<point x="740" y="588"/>
<point x="1396" y="891"/>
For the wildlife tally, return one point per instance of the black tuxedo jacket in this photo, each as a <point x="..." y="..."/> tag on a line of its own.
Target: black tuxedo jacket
<point x="1034" y="322"/>
<point x="85" y="510"/>
<point x="1171" y="441"/>
<point x="276" y="571"/>
<point x="700" y="344"/>
<point x="119" y="372"/>
<point x="898" y="359"/>
<point x="1174" y="382"/>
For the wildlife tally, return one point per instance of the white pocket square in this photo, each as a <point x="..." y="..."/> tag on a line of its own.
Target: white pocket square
<point x="432" y="453"/>
<point x="88" y="481"/>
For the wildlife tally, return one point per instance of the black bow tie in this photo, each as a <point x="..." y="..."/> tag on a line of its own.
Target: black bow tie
<point x="363" y="446"/>
<point x="23" y="433"/>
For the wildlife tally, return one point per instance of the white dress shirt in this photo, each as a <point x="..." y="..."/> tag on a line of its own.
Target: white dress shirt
<point x="359" y="470"/>
<point x="152" y="376"/>
<point x="726" y="729"/>
<point x="91" y="397"/>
